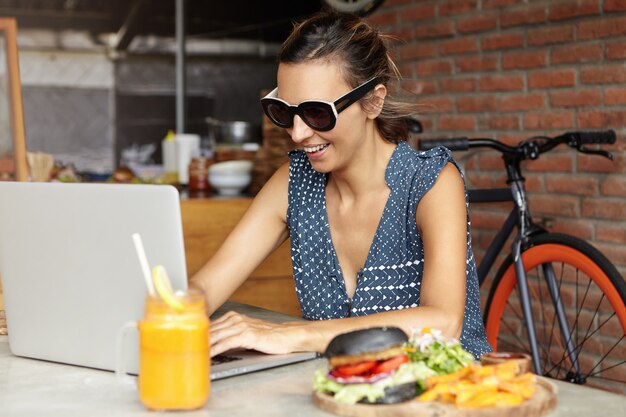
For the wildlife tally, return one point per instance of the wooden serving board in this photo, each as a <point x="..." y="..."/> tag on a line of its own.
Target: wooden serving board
<point x="542" y="402"/>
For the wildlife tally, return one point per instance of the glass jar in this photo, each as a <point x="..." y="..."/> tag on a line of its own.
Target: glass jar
<point x="199" y="174"/>
<point x="174" y="360"/>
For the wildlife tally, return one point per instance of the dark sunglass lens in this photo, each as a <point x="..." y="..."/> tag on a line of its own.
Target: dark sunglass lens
<point x="279" y="113"/>
<point x="317" y="117"/>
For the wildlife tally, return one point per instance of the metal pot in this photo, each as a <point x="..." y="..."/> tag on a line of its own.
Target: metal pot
<point x="232" y="132"/>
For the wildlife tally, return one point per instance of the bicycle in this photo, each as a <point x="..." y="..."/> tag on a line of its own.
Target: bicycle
<point x="561" y="279"/>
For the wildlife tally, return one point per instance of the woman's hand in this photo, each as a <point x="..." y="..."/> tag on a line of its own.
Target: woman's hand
<point x="235" y="330"/>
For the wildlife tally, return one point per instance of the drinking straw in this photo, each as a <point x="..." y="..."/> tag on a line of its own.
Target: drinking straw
<point x="143" y="261"/>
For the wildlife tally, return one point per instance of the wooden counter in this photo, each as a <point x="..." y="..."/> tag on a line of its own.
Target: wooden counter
<point x="207" y="223"/>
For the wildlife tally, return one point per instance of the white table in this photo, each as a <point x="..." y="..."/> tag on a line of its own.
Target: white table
<point x="30" y="387"/>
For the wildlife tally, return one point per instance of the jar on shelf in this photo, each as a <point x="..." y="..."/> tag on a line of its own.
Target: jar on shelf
<point x="199" y="174"/>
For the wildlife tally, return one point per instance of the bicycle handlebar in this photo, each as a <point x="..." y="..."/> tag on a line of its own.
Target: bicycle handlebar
<point x="531" y="148"/>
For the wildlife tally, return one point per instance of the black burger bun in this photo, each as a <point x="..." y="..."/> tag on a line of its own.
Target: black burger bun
<point x="396" y="394"/>
<point x="373" y="339"/>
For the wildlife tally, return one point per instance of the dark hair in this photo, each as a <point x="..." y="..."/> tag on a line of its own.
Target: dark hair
<point x="361" y="51"/>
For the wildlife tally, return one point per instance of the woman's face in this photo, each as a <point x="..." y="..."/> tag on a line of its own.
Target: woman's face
<point x="322" y="80"/>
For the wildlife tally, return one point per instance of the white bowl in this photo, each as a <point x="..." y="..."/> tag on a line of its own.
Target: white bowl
<point x="240" y="166"/>
<point x="229" y="184"/>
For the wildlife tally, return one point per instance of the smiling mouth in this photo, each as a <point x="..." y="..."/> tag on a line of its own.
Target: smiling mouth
<point x="317" y="148"/>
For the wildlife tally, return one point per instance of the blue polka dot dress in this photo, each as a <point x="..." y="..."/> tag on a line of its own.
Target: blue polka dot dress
<point x="392" y="275"/>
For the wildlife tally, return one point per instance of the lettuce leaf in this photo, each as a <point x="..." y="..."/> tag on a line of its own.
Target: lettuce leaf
<point x="353" y="393"/>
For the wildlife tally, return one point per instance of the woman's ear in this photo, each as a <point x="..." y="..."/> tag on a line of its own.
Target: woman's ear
<point x="376" y="101"/>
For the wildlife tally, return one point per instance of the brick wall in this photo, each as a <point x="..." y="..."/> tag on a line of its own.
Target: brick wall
<point x="511" y="69"/>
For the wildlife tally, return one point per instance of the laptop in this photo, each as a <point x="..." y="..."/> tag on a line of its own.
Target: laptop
<point x="71" y="277"/>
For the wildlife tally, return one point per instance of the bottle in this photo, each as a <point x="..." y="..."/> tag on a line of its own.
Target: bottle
<point x="187" y="147"/>
<point x="168" y="150"/>
<point x="199" y="174"/>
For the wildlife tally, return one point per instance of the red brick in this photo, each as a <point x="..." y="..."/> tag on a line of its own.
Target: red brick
<point x="534" y="183"/>
<point x="570" y="9"/>
<point x="578" y="228"/>
<point x="391" y="3"/>
<point x="419" y="86"/>
<point x="552" y="78"/>
<point x="479" y="23"/>
<point x="524" y="59"/>
<point x="595" y="163"/>
<point x="614" y="185"/>
<point x="604" y="208"/>
<point x="576" y="53"/>
<point x="550" y="35"/>
<point x="406" y="69"/>
<point x="549" y="120"/>
<point x="502" y="41"/>
<point x="533" y="101"/>
<point x="451" y="7"/>
<point x="477" y="63"/>
<point x="476" y="104"/>
<point x="489" y="180"/>
<point x="418" y="12"/>
<point x="605" y="74"/>
<point x="418" y="50"/>
<point x="616" y="254"/>
<point x="491" y="161"/>
<point x="488" y="220"/>
<point x="405" y="34"/>
<point x="614" y="5"/>
<point x="458" y="46"/>
<point x="616" y="50"/>
<point x="524" y="16"/>
<point x="491" y="4"/>
<point x="575" y="98"/>
<point x="601" y="119"/>
<point x="456" y="123"/>
<point x="457" y="85"/>
<point x="383" y="18"/>
<point x="500" y="122"/>
<point x="437" y="104"/>
<point x="572" y="184"/>
<point x="554" y="204"/>
<point x="501" y="83"/>
<point x="433" y="67"/>
<point x="435" y="30"/>
<point x="611" y="233"/>
<point x="551" y="163"/>
<point x="602" y="28"/>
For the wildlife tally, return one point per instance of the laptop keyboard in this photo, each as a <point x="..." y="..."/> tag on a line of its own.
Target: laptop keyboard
<point x="216" y="360"/>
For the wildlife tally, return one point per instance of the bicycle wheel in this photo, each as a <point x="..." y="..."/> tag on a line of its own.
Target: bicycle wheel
<point x="594" y="297"/>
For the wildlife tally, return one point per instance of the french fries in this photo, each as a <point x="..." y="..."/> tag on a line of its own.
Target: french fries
<point x="477" y="386"/>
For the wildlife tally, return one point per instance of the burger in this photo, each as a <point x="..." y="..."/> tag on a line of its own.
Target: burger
<point x="371" y="366"/>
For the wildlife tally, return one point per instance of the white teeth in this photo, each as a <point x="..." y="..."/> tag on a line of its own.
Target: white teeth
<point x="315" y="148"/>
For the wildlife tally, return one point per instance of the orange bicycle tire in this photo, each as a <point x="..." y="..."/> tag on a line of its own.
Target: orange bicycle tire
<point x="556" y="249"/>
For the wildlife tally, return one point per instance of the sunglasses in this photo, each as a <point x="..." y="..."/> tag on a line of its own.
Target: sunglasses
<point x="318" y="115"/>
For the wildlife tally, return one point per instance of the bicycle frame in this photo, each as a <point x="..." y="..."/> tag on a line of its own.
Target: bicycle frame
<point x="520" y="216"/>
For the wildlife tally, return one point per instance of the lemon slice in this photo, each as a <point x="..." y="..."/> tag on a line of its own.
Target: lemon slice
<point x="164" y="287"/>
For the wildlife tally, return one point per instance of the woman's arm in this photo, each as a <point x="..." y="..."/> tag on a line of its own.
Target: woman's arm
<point x="261" y="230"/>
<point x="442" y="220"/>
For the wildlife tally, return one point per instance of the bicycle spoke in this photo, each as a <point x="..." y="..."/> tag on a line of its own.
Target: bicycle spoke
<point x="607" y="353"/>
<point x="511" y="330"/>
<point x="578" y="348"/>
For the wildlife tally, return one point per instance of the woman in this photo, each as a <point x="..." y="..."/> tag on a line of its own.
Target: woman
<point x="379" y="232"/>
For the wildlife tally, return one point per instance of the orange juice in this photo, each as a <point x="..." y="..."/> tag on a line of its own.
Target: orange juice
<point x="174" y="355"/>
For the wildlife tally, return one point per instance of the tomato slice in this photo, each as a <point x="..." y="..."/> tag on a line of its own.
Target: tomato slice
<point x="355" y="369"/>
<point x="390" y="364"/>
